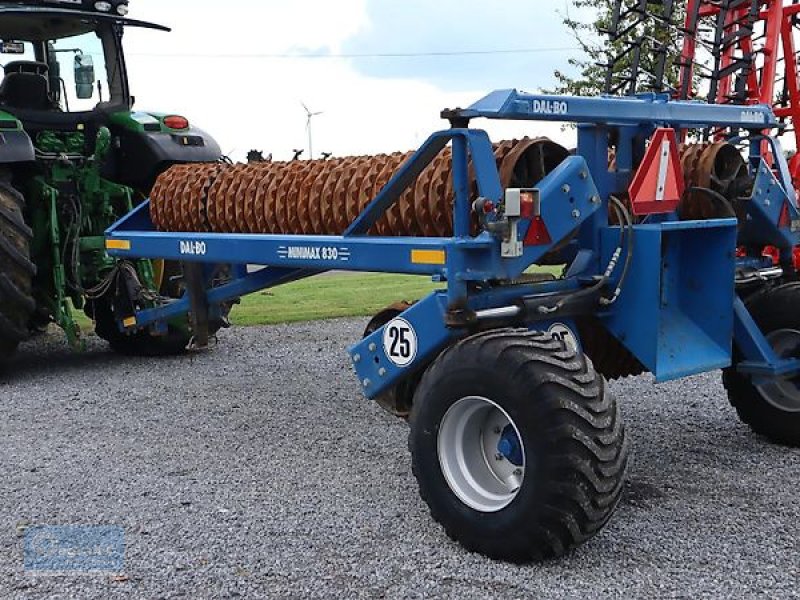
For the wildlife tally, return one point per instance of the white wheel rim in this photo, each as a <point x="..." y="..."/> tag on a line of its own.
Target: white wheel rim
<point x="481" y="454"/>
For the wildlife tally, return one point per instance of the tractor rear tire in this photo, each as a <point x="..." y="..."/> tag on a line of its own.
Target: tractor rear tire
<point x="141" y="343"/>
<point x="16" y="270"/>
<point x="772" y="410"/>
<point x="518" y="447"/>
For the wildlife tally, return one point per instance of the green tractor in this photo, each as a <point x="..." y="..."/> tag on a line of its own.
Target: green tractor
<point x="75" y="157"/>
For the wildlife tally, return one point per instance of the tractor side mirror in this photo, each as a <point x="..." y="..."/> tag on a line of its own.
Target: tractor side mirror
<point x="84" y="76"/>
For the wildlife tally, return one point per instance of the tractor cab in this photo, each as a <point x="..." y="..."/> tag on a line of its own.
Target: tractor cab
<point x="64" y="79"/>
<point x="64" y="60"/>
<point x="66" y="75"/>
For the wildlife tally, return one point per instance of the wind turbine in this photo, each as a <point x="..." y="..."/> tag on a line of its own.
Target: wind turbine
<point x="310" y="116"/>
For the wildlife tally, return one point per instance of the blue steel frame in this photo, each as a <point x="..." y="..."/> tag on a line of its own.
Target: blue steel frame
<point x="575" y="197"/>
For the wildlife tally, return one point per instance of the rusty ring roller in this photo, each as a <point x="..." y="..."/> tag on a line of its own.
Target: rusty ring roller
<point x="718" y="167"/>
<point x="324" y="197"/>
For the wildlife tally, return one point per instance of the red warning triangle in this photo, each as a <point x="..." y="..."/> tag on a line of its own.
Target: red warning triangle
<point x="537" y="233"/>
<point x="658" y="185"/>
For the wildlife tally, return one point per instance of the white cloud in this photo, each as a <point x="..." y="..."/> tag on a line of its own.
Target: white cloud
<point x="254" y="102"/>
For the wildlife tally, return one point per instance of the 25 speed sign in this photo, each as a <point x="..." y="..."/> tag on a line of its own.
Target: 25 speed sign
<point x="400" y="342"/>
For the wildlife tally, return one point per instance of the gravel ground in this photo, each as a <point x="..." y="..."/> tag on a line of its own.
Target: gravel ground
<point x="257" y="470"/>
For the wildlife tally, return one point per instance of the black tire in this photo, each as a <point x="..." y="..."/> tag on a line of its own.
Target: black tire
<point x="773" y="310"/>
<point x="16" y="270"/>
<point x="141" y="343"/>
<point x="568" y="422"/>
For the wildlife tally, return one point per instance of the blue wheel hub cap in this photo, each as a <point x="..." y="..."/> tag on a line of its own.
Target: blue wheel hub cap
<point x="510" y="447"/>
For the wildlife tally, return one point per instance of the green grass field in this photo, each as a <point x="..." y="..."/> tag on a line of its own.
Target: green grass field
<point x="329" y="297"/>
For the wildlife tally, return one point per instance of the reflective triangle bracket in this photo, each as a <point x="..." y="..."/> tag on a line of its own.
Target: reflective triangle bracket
<point x="785" y="220"/>
<point x="658" y="185"/>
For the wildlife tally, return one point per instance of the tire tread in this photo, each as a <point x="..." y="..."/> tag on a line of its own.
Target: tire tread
<point x="16" y="270"/>
<point x="774" y="308"/>
<point x="589" y="453"/>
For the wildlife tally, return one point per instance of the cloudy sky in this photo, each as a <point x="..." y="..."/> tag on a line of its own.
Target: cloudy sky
<point x="229" y="66"/>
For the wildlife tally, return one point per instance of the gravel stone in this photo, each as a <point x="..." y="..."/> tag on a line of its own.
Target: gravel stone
<point x="257" y="470"/>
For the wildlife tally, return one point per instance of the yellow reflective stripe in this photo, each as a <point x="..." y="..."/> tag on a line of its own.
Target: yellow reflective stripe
<point x="118" y="245"/>
<point x="129" y="322"/>
<point x="428" y="257"/>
